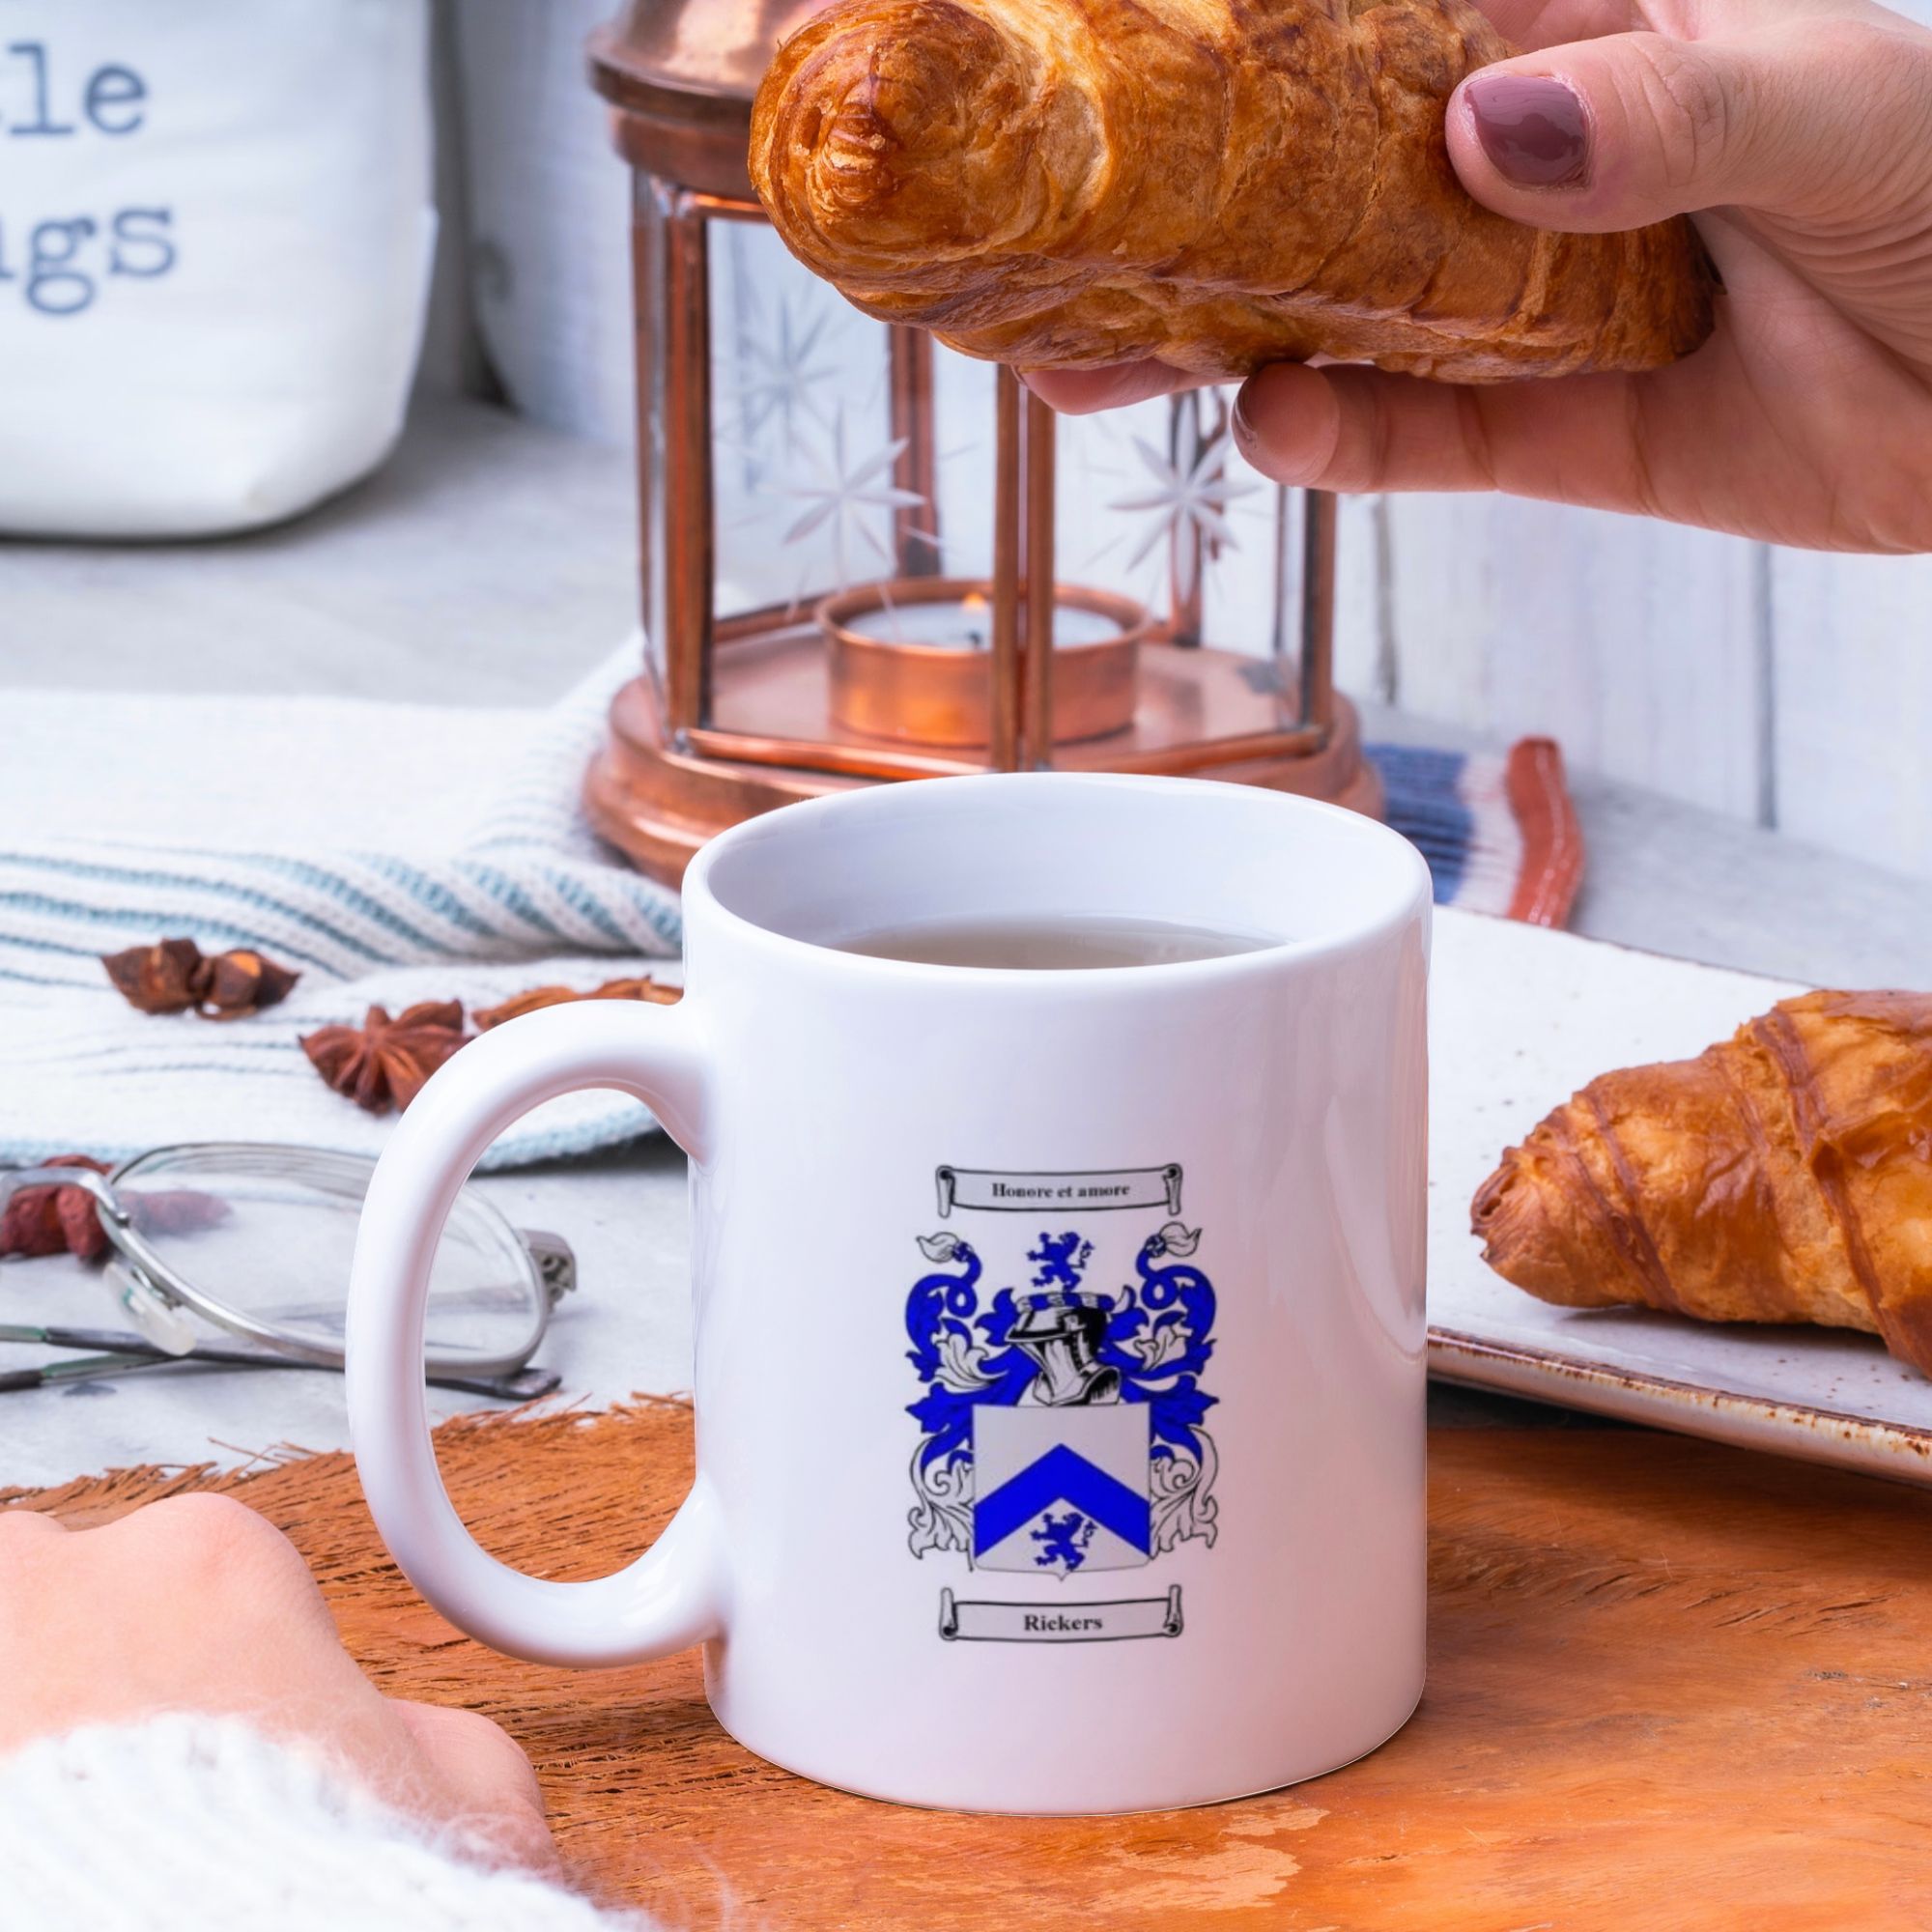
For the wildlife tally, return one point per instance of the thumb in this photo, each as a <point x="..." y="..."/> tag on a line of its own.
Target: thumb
<point x="1633" y="129"/>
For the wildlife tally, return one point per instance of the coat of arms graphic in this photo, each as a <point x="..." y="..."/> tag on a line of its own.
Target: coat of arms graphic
<point x="1060" y="1423"/>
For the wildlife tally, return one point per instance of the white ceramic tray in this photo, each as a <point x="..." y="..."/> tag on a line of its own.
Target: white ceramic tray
<point x="1521" y="1018"/>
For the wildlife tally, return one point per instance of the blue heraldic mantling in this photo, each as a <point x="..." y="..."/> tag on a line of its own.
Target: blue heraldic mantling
<point x="1060" y="1429"/>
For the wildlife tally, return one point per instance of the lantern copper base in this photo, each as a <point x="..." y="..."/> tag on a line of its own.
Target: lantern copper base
<point x="658" y="805"/>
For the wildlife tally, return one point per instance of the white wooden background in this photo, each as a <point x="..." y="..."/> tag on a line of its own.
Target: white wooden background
<point x="1791" y="690"/>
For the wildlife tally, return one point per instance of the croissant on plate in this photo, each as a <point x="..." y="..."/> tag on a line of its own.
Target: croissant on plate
<point x="1215" y="183"/>
<point x="1784" y="1175"/>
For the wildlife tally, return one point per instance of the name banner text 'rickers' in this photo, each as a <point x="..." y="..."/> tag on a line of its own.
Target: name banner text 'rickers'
<point x="1011" y="1193"/>
<point x="967" y="1622"/>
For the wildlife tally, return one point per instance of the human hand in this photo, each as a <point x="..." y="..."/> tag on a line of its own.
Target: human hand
<point x="199" y="1605"/>
<point x="1799" y="133"/>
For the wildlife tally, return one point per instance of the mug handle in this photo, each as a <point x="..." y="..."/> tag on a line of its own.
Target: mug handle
<point x="669" y="1598"/>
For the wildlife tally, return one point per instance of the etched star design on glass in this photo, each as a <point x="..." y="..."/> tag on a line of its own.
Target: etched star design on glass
<point x="781" y="380"/>
<point x="851" y="499"/>
<point x="1190" y="499"/>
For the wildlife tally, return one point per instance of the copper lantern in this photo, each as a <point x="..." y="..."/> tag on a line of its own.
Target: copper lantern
<point x="867" y="557"/>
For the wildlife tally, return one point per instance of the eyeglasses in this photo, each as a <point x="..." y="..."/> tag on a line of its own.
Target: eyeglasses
<point x="257" y="1241"/>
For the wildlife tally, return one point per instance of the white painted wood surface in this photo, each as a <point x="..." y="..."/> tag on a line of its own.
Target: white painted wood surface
<point x="1789" y="689"/>
<point x="1851" y="683"/>
<point x="1638" y="645"/>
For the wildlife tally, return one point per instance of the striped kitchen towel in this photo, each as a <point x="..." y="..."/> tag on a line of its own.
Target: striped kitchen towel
<point x="1500" y="834"/>
<point x="395" y="853"/>
<point x="391" y="853"/>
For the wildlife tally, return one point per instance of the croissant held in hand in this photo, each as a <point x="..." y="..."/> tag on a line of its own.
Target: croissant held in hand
<point x="1215" y="183"/>
<point x="1785" y="1175"/>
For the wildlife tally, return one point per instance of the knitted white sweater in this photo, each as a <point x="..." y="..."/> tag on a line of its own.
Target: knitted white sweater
<point x="181" y="1822"/>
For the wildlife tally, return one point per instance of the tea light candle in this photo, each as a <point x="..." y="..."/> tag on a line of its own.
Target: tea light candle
<point x="966" y="623"/>
<point x="910" y="661"/>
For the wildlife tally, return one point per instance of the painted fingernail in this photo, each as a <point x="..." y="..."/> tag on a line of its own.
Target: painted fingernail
<point x="1532" y="127"/>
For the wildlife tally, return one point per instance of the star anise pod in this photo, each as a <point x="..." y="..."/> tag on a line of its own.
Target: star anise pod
<point x="174" y="977"/>
<point x="160" y="979"/>
<point x="383" y="1063"/>
<point x="244" y="981"/>
<point x="50" y="1220"/>
<point x="647" y="989"/>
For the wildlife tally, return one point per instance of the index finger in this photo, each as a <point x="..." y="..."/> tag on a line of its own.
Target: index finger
<point x="1083" y="392"/>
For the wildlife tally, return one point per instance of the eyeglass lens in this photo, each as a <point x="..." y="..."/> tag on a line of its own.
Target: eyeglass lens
<point x="269" y="1233"/>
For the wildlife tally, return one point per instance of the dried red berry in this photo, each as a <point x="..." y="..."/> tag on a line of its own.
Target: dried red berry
<point x="51" y="1220"/>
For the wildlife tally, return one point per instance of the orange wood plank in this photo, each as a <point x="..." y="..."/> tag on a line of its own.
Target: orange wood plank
<point x="1671" y="1686"/>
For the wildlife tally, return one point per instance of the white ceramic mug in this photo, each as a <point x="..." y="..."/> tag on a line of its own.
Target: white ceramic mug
<point x="1162" y="1545"/>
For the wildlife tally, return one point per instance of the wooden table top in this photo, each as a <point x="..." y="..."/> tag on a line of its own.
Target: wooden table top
<point x="1671" y="1685"/>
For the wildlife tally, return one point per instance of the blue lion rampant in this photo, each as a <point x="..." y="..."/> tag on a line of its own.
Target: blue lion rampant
<point x="1063" y="1540"/>
<point x="1060" y="1265"/>
<point x="1158" y="1340"/>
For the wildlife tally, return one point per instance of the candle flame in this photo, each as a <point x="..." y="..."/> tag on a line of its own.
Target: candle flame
<point x="974" y="601"/>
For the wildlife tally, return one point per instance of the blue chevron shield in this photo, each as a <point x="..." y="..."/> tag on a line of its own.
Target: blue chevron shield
<point x="1061" y="1490"/>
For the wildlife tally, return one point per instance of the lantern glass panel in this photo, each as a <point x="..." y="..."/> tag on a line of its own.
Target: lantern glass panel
<point x="804" y="451"/>
<point x="963" y="441"/>
<point x="649" y="212"/>
<point x="832" y="522"/>
<point x="1157" y="504"/>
